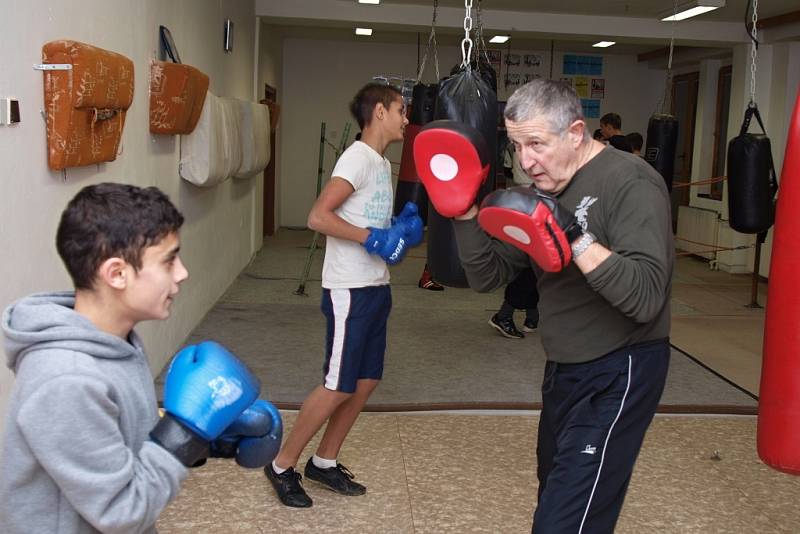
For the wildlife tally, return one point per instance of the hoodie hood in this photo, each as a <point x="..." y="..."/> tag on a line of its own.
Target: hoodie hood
<point x="49" y="321"/>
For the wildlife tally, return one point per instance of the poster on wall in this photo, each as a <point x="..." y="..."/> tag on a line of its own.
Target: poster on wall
<point x="598" y="87"/>
<point x="532" y="60"/>
<point x="519" y="68"/>
<point x="575" y="64"/>
<point x="591" y="108"/>
<point x="582" y="86"/>
<point x="569" y="81"/>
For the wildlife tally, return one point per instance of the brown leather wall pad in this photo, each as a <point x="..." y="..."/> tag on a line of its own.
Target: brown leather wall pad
<point x="177" y="93"/>
<point x="85" y="106"/>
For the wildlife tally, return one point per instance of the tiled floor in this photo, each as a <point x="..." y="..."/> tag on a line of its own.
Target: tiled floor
<point x="452" y="473"/>
<point x="468" y="472"/>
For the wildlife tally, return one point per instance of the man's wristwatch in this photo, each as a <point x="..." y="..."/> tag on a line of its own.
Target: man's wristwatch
<point x="581" y="244"/>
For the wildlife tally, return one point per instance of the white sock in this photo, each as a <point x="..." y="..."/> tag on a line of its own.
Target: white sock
<point x="278" y="470"/>
<point x="323" y="463"/>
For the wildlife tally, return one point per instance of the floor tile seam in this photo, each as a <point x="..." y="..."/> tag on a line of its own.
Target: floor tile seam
<point x="405" y="473"/>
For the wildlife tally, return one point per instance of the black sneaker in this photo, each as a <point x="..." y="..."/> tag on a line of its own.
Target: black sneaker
<point x="288" y="487"/>
<point x="530" y="325"/>
<point x="506" y="327"/>
<point x="338" y="479"/>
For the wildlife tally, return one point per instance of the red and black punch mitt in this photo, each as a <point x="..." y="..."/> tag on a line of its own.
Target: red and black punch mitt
<point x="452" y="161"/>
<point x="533" y="222"/>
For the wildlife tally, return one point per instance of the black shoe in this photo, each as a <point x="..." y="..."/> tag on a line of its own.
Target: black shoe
<point x="288" y="487"/>
<point x="338" y="479"/>
<point x="506" y="326"/>
<point x="530" y="325"/>
<point x="429" y="285"/>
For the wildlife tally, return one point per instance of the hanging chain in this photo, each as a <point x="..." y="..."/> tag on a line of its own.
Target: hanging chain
<point x="666" y="102"/>
<point x="753" y="54"/>
<point x="480" y="46"/>
<point x="466" y="43"/>
<point x="431" y="41"/>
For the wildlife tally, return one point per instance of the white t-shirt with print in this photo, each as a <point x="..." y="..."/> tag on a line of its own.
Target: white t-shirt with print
<point x="347" y="263"/>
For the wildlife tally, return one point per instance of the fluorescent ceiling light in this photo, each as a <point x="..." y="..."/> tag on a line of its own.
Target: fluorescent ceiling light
<point x="692" y="9"/>
<point x="604" y="44"/>
<point x="363" y="31"/>
<point x="499" y="39"/>
<point x="369" y="1"/>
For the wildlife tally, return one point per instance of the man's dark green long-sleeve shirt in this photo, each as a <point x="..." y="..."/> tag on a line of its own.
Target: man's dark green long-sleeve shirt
<point x="624" y="202"/>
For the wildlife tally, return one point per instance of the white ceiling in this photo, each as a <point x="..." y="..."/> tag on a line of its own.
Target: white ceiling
<point x="733" y="11"/>
<point x="571" y="25"/>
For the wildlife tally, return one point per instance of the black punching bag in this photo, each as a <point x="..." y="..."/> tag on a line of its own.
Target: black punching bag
<point x="409" y="187"/>
<point x="423" y="103"/>
<point x="662" y="139"/>
<point x="751" y="179"/>
<point x="464" y="97"/>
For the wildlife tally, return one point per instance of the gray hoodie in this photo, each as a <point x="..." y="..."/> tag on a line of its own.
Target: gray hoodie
<point x="76" y="455"/>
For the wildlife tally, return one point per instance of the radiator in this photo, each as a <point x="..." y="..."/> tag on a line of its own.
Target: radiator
<point x="698" y="229"/>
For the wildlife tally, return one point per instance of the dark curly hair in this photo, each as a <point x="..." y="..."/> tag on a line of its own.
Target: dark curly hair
<point x="107" y="220"/>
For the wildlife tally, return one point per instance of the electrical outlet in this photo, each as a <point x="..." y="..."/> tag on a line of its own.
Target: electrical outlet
<point x="9" y="111"/>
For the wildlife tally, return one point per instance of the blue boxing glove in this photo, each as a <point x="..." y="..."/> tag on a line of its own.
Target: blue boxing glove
<point x="206" y="389"/>
<point x="254" y="439"/>
<point x="388" y="243"/>
<point x="412" y="223"/>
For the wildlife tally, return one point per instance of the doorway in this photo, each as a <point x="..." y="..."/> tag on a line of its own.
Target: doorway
<point x="271" y="101"/>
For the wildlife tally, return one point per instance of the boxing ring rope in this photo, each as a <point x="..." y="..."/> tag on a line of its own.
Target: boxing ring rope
<point x="700" y="182"/>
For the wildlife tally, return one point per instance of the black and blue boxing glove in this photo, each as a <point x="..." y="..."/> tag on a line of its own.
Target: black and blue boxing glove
<point x="206" y="389"/>
<point x="254" y="439"/>
<point x="412" y="223"/>
<point x="388" y="243"/>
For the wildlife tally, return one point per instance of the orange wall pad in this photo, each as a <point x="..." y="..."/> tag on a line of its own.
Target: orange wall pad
<point x="86" y="105"/>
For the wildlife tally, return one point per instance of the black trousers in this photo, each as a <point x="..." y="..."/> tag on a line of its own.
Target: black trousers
<point x="593" y="421"/>
<point x="521" y="293"/>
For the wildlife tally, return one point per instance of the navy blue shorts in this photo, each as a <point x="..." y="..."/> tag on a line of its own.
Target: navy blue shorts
<point x="355" y="343"/>
<point x="594" y="418"/>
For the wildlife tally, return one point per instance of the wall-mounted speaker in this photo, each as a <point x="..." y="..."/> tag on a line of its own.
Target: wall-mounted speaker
<point x="228" y="36"/>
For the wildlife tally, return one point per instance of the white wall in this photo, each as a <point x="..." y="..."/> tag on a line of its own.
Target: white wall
<point x="320" y="78"/>
<point x="32" y="197"/>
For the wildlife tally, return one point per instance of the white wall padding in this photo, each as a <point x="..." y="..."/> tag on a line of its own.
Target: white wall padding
<point x="211" y="153"/>
<point x="232" y="133"/>
<point x="255" y="138"/>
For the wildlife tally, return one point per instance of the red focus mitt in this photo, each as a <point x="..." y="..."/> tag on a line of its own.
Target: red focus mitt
<point x="533" y="222"/>
<point x="452" y="161"/>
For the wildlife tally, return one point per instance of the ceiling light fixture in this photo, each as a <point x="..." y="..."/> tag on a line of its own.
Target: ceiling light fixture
<point x="499" y="39"/>
<point x="363" y="31"/>
<point x="375" y="2"/>
<point x="604" y="44"/>
<point x="692" y="9"/>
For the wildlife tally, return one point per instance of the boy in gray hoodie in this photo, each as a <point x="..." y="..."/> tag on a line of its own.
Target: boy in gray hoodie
<point x="76" y="455"/>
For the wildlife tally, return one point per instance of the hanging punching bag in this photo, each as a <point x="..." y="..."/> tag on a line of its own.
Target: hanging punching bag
<point x="464" y="97"/>
<point x="779" y="395"/>
<point x="751" y="179"/>
<point x="423" y="103"/>
<point x="662" y="139"/>
<point x="409" y="186"/>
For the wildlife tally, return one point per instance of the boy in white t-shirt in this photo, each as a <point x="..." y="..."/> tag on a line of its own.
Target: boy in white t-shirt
<point x="354" y="212"/>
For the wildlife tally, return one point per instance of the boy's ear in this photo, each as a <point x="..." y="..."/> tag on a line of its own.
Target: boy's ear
<point x="380" y="111"/>
<point x="113" y="273"/>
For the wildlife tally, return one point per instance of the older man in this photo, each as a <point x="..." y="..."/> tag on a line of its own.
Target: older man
<point x="605" y="316"/>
